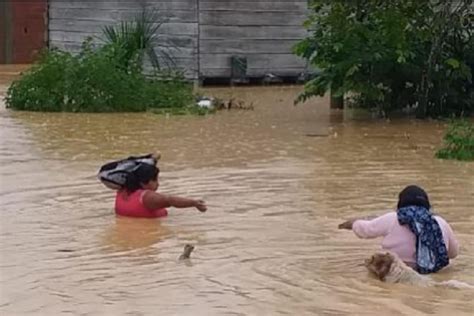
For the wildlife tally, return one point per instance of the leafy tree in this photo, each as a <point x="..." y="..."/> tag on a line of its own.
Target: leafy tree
<point x="393" y="55"/>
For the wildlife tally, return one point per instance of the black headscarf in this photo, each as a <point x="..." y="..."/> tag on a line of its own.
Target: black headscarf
<point x="414" y="212"/>
<point x="413" y="195"/>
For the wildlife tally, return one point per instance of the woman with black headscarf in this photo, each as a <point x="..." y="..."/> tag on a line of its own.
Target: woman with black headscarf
<point x="422" y="240"/>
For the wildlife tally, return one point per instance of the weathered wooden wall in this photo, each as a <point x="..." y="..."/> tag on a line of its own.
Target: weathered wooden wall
<point x="204" y="34"/>
<point x="70" y="22"/>
<point x="262" y="31"/>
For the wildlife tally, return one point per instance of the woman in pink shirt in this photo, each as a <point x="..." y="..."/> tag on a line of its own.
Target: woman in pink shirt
<point x="138" y="197"/>
<point x="422" y="240"/>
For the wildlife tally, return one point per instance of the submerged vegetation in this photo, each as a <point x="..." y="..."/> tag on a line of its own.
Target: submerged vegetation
<point x="391" y="56"/>
<point x="459" y="141"/>
<point x="109" y="78"/>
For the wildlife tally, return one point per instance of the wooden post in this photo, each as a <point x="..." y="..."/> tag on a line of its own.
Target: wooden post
<point x="198" y="79"/>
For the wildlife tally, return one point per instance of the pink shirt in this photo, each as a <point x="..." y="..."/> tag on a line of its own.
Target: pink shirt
<point x="132" y="205"/>
<point x="399" y="239"/>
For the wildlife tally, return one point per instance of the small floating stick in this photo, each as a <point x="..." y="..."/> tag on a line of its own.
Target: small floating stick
<point x="186" y="252"/>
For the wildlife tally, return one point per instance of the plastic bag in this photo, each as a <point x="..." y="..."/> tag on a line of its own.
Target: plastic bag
<point x="114" y="174"/>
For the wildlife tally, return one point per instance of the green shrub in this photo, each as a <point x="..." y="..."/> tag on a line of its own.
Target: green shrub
<point x="170" y="93"/>
<point x="459" y="141"/>
<point x="105" y="79"/>
<point x="42" y="87"/>
<point x="94" y="81"/>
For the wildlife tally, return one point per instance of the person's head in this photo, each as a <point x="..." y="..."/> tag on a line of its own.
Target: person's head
<point x="380" y="264"/>
<point x="413" y="195"/>
<point x="144" y="177"/>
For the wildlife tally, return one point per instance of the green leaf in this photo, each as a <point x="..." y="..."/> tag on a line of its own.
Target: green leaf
<point x="337" y="47"/>
<point x="352" y="70"/>
<point x="453" y="63"/>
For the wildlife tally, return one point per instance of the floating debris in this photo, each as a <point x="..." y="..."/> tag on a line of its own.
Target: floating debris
<point x="317" y="135"/>
<point x="219" y="104"/>
<point x="65" y="250"/>
<point x="271" y="79"/>
<point x="186" y="252"/>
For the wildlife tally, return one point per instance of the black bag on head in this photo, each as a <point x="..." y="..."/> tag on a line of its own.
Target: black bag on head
<point x="114" y="174"/>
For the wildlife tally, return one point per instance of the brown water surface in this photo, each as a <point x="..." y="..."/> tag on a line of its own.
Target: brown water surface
<point x="268" y="245"/>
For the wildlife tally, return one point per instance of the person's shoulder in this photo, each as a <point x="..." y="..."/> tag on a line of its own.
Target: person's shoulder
<point x="389" y="215"/>
<point x="441" y="220"/>
<point x="148" y="194"/>
<point x="120" y="193"/>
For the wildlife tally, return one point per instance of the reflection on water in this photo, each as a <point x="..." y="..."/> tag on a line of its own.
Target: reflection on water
<point x="129" y="234"/>
<point x="278" y="180"/>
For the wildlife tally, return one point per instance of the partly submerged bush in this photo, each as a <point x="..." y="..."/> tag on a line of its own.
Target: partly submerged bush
<point x="94" y="81"/>
<point x="105" y="79"/>
<point x="459" y="141"/>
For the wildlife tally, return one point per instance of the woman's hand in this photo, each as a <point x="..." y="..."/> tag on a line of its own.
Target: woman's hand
<point x="201" y="206"/>
<point x="347" y="224"/>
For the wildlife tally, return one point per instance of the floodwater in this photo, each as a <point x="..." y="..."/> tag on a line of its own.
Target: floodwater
<point x="278" y="180"/>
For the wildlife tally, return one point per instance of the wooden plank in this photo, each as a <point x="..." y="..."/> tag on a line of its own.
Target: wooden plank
<point x="254" y="6"/>
<point x="184" y="41"/>
<point x="73" y="37"/>
<point x="236" y="18"/>
<point x="283" y="72"/>
<point x="187" y="64"/>
<point x="215" y="73"/>
<point x="252" y="32"/>
<point x="176" y="16"/>
<point x="78" y="26"/>
<point x="246" y="46"/>
<point x="83" y="4"/>
<point x="96" y="26"/>
<point x="126" y="4"/>
<point x="72" y="47"/>
<point x="179" y="52"/>
<point x="183" y="63"/>
<point x="179" y="29"/>
<point x="266" y="61"/>
<point x="172" y="5"/>
<point x="175" y="52"/>
<point x="98" y="14"/>
<point x="254" y="72"/>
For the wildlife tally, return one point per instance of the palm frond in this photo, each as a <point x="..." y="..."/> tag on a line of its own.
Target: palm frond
<point x="138" y="37"/>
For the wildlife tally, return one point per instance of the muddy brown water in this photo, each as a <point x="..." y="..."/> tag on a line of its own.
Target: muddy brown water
<point x="269" y="243"/>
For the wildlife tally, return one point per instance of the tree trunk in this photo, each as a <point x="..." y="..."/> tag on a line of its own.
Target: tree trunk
<point x="336" y="102"/>
<point x="433" y="59"/>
